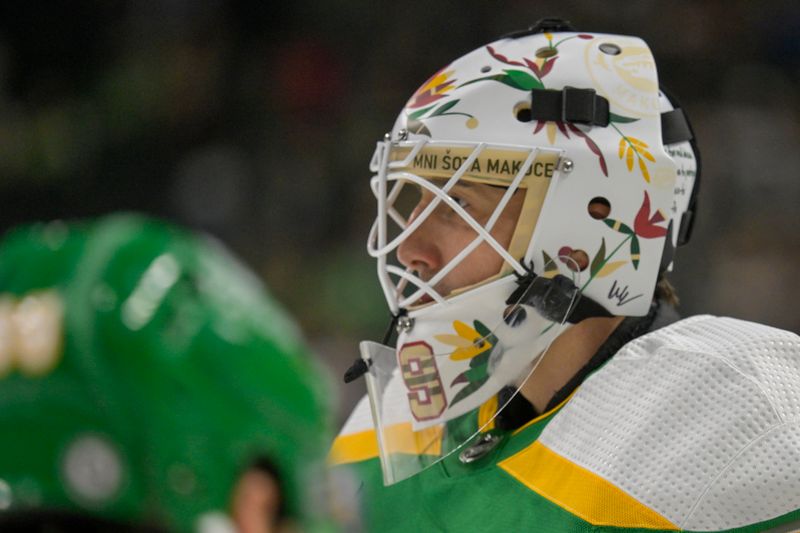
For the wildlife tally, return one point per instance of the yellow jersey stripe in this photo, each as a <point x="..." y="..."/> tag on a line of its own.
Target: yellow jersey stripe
<point x="400" y="438"/>
<point x="579" y="491"/>
<point x="363" y="445"/>
<point x="486" y="414"/>
<point x="353" y="448"/>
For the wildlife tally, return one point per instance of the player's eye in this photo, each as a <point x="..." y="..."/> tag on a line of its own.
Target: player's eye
<point x="460" y="201"/>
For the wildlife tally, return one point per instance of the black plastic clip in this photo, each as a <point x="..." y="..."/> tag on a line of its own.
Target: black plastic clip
<point x="356" y="370"/>
<point x="570" y="104"/>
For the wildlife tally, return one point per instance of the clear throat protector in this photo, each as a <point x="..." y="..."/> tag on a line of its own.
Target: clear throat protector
<point x="435" y="391"/>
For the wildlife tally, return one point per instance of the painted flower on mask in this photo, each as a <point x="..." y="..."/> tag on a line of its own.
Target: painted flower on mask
<point x="630" y="147"/>
<point x="644" y="225"/>
<point x="468" y="342"/>
<point x="477" y="344"/>
<point x="540" y="65"/>
<point x="432" y="90"/>
<point x="426" y="104"/>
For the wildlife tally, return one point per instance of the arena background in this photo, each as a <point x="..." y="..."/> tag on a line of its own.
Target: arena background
<point x="255" y="121"/>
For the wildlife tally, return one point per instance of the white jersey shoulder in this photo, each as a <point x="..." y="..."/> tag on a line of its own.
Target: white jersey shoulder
<point x="699" y="420"/>
<point x="360" y="418"/>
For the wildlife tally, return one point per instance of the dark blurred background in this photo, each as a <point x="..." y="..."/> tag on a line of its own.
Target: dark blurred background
<point x="255" y="121"/>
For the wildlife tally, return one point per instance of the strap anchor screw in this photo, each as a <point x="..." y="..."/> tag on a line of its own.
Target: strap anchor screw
<point x="404" y="324"/>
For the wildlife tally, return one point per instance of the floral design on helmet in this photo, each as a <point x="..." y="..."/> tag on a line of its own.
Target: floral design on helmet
<point x="425" y="104"/>
<point x="477" y="344"/>
<point x="645" y="226"/>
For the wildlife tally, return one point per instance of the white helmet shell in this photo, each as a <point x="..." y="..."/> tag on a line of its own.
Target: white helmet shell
<point x="486" y="97"/>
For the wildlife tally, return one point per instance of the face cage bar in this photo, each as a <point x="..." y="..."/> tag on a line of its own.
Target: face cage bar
<point x="376" y="243"/>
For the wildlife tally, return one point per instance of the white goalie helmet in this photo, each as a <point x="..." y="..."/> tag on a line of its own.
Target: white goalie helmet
<point x="575" y="127"/>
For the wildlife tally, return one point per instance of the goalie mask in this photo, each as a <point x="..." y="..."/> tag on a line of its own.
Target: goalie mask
<point x="569" y="134"/>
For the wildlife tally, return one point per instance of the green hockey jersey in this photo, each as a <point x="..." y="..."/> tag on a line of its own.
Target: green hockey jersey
<point x="693" y="427"/>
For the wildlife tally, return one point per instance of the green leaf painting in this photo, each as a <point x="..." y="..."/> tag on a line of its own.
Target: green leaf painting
<point x="521" y="80"/>
<point x="635" y="251"/>
<point x="517" y="79"/>
<point x="442" y="109"/>
<point x="479" y="360"/>
<point x="619" y="119"/>
<point x="599" y="259"/>
<point x="419" y="112"/>
<point x="466" y="391"/>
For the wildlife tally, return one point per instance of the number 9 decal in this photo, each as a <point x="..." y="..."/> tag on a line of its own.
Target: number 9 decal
<point x="425" y="390"/>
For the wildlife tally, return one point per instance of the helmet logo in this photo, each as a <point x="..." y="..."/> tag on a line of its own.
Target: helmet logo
<point x="627" y="78"/>
<point x="636" y="66"/>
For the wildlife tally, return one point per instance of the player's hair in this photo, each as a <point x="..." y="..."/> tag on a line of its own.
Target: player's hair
<point x="666" y="292"/>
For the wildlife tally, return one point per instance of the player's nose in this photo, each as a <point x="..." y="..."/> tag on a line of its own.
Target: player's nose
<point x="421" y="250"/>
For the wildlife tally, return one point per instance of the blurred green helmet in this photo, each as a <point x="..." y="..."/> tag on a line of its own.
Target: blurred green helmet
<point x="142" y="371"/>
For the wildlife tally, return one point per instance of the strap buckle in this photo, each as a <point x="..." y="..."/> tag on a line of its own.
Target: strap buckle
<point x="571" y="104"/>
